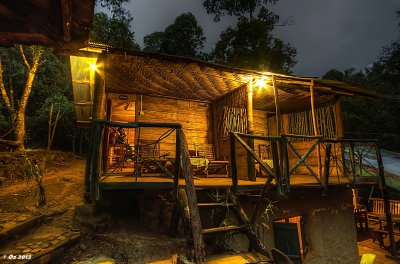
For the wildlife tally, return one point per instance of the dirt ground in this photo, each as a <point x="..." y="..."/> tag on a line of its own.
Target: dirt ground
<point x="127" y="241"/>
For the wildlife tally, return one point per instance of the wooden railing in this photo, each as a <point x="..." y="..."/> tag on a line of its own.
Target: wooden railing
<point x="94" y="162"/>
<point x="354" y="161"/>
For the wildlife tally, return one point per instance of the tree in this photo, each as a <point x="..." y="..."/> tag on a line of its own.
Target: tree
<point x="184" y="37"/>
<point x="114" y="31"/>
<point x="17" y="111"/>
<point x="250" y="44"/>
<point x="234" y="8"/>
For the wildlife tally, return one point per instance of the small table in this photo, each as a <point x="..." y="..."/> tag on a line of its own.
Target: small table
<point x="361" y="216"/>
<point x="199" y="164"/>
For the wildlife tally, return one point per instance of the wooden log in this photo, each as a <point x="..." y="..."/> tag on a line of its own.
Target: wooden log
<point x="198" y="241"/>
<point x="277" y="107"/>
<point x="327" y="166"/>
<point x="11" y="143"/>
<point x="255" y="242"/>
<point x="316" y="132"/>
<point x="339" y="119"/>
<point x="386" y="202"/>
<point x="233" y="163"/>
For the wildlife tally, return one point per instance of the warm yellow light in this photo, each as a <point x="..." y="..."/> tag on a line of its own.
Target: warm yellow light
<point x="93" y="67"/>
<point x="262" y="82"/>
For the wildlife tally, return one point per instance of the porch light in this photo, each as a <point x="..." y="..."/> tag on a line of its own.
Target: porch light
<point x="93" y="67"/>
<point x="262" y="82"/>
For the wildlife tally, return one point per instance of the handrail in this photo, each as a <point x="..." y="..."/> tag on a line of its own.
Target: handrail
<point x="137" y="124"/>
<point x="249" y="150"/>
<point x="196" y="231"/>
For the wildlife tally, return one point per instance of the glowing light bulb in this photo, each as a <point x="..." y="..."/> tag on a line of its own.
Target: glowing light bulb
<point x="93" y="67"/>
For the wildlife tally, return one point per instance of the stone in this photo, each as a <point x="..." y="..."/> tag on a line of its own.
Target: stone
<point x="61" y="238"/>
<point x="22" y="218"/>
<point x="9" y="224"/>
<point x="84" y="210"/>
<point x="37" y="250"/>
<point x="27" y="250"/>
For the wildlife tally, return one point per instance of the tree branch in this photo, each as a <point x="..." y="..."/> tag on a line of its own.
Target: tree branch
<point x="4" y="92"/>
<point x="23" y="56"/>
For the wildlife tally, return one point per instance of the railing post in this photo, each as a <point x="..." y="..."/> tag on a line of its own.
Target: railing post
<point x="352" y="161"/>
<point x="251" y="170"/>
<point x="233" y="163"/>
<point x="177" y="164"/>
<point x="285" y="161"/>
<point x="386" y="202"/>
<point x="95" y="169"/>
<point x="277" y="168"/>
<point x="327" y="166"/>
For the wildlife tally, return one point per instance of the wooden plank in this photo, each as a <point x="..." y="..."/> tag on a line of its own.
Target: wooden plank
<point x="223" y="229"/>
<point x="198" y="241"/>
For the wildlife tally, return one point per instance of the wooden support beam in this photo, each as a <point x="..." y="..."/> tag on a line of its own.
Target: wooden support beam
<point x="339" y="119"/>
<point x="67" y="19"/>
<point x="196" y="229"/>
<point x="277" y="108"/>
<point x="386" y="202"/>
<point x="315" y="126"/>
<point x="99" y="92"/>
<point x="251" y="169"/>
<point x="233" y="163"/>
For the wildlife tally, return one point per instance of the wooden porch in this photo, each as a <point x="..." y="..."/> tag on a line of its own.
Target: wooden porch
<point x="125" y="180"/>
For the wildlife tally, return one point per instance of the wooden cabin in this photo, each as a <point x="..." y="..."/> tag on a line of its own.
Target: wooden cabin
<point x="225" y="127"/>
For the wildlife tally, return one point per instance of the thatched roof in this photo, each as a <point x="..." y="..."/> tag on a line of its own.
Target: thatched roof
<point x="57" y="23"/>
<point x="185" y="78"/>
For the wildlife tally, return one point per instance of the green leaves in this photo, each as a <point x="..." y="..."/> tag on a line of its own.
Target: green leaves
<point x="114" y="31"/>
<point x="251" y="45"/>
<point x="184" y="38"/>
<point x="239" y="8"/>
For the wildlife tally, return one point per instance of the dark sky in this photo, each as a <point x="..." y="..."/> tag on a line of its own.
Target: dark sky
<point x="327" y="34"/>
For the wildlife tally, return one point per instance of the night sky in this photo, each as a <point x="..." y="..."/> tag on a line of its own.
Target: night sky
<point x="327" y="34"/>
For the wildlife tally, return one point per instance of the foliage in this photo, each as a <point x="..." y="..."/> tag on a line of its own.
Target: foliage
<point x="251" y="45"/>
<point x="184" y="37"/>
<point x="114" y="31"/>
<point x="52" y="80"/>
<point x="234" y="8"/>
<point x="66" y="127"/>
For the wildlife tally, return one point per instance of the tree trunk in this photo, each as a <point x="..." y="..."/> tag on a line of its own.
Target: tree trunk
<point x="20" y="117"/>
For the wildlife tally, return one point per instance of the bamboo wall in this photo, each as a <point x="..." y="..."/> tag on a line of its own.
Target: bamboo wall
<point x="193" y="116"/>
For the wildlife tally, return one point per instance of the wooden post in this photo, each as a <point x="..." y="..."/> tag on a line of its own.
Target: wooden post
<point x="99" y="92"/>
<point x="277" y="108"/>
<point x="251" y="170"/>
<point x="233" y="163"/>
<point x="314" y="119"/>
<point x="177" y="163"/>
<point x="197" y="234"/>
<point x="327" y="166"/>
<point x="339" y="119"/>
<point x="386" y="202"/>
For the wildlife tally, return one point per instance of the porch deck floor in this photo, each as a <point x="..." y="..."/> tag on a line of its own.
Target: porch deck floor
<point x="128" y="180"/>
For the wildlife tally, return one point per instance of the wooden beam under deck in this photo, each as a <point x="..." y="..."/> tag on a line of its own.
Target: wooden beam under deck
<point x="125" y="180"/>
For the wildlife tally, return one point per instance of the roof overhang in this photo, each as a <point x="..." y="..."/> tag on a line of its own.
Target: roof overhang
<point x="62" y="24"/>
<point x="178" y="77"/>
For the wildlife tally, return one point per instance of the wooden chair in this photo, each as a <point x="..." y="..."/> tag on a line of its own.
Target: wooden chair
<point x="150" y="156"/>
<point x="215" y="168"/>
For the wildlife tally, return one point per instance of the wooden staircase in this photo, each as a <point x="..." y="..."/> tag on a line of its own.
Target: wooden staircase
<point x="190" y="208"/>
<point x="241" y="224"/>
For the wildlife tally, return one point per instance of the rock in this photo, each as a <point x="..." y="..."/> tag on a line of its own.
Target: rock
<point x="98" y="260"/>
<point x="37" y="250"/>
<point x="9" y="224"/>
<point x="27" y="250"/>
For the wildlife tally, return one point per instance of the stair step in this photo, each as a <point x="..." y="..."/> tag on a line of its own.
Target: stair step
<point x="215" y="204"/>
<point x="223" y="229"/>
